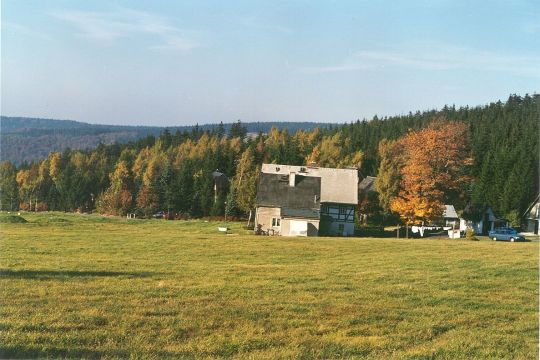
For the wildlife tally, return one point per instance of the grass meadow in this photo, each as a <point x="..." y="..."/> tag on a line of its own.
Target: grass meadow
<point x="84" y="286"/>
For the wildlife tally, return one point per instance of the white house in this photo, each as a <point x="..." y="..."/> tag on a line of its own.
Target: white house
<point x="532" y="216"/>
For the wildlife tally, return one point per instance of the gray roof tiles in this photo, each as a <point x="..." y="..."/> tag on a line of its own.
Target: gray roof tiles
<point x="367" y="184"/>
<point x="274" y="190"/>
<point x="337" y="185"/>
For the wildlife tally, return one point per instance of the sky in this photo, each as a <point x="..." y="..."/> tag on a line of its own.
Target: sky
<point x="167" y="63"/>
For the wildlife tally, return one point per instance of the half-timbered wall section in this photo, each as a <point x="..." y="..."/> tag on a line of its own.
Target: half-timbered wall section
<point x="342" y="218"/>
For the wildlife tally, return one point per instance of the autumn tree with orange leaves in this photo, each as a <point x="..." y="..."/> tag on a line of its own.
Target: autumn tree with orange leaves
<point x="435" y="169"/>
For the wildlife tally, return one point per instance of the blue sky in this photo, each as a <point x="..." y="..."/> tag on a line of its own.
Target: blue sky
<point x="186" y="62"/>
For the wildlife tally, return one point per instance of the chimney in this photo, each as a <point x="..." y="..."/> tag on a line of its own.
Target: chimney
<point x="292" y="179"/>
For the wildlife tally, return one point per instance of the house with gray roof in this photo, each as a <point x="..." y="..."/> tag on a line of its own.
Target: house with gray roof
<point x="450" y="215"/>
<point x="306" y="201"/>
<point x="482" y="219"/>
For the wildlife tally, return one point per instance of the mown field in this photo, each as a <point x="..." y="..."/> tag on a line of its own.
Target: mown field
<point x="78" y="286"/>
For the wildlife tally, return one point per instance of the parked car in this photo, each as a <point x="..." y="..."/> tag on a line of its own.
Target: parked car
<point x="506" y="234"/>
<point x="159" y="215"/>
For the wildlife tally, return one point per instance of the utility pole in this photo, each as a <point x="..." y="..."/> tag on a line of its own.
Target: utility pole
<point x="407" y="230"/>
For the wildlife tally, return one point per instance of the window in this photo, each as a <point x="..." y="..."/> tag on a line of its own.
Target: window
<point x="343" y="213"/>
<point x="341" y="227"/>
<point x="276" y="222"/>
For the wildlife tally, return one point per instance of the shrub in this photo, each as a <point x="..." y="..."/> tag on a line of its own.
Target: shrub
<point x="513" y="219"/>
<point x="469" y="235"/>
<point x="41" y="206"/>
<point x="12" y="219"/>
<point x="24" y="206"/>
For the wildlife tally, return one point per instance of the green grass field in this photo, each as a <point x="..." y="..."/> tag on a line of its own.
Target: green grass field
<point x="80" y="286"/>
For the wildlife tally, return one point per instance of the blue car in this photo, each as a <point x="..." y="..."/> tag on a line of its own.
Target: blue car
<point x="507" y="234"/>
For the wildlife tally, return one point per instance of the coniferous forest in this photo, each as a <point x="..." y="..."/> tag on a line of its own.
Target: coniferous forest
<point x="175" y="172"/>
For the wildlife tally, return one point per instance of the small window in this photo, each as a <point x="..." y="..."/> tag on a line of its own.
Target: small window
<point x="342" y="210"/>
<point x="276" y="222"/>
<point x="341" y="227"/>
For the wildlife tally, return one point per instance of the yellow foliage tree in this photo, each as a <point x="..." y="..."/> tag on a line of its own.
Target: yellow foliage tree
<point x="433" y="161"/>
<point x="117" y="199"/>
<point x="388" y="180"/>
<point x="329" y="153"/>
<point x="245" y="181"/>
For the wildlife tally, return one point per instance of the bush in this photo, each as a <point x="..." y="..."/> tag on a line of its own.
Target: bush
<point x="24" y="206"/>
<point x="513" y="219"/>
<point x="41" y="206"/>
<point x="469" y="235"/>
<point x="12" y="219"/>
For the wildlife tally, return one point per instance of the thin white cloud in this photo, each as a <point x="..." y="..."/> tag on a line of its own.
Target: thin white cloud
<point x="18" y="29"/>
<point x="433" y="57"/>
<point x="127" y="23"/>
<point x="258" y="23"/>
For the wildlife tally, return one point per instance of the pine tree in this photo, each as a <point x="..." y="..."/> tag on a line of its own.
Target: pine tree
<point x="237" y="130"/>
<point x="9" y="192"/>
<point x="231" y="209"/>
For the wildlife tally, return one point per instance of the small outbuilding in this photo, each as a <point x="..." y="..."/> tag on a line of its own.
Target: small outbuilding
<point x="532" y="217"/>
<point x="221" y="184"/>
<point x="450" y="216"/>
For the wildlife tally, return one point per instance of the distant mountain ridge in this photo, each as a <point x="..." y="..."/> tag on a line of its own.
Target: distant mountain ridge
<point x="24" y="139"/>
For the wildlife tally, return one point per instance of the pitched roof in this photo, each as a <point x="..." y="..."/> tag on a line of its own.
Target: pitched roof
<point x="533" y="211"/>
<point x="300" y="213"/>
<point x="367" y="184"/>
<point x="449" y="212"/>
<point x="337" y="185"/>
<point x="217" y="173"/>
<point x="477" y="212"/>
<point x="274" y="190"/>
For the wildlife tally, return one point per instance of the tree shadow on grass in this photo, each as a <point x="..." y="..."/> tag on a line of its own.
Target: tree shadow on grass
<point x="32" y="352"/>
<point x="15" y="352"/>
<point x="57" y="274"/>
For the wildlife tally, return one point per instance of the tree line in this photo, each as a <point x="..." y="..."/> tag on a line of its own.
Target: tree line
<point x="29" y="139"/>
<point x="174" y="171"/>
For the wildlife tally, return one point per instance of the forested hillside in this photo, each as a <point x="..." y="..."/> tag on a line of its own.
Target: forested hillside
<point x="29" y="139"/>
<point x="173" y="171"/>
<point x="504" y="145"/>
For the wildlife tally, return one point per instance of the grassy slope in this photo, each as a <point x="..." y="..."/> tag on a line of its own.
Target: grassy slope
<point x="84" y="286"/>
